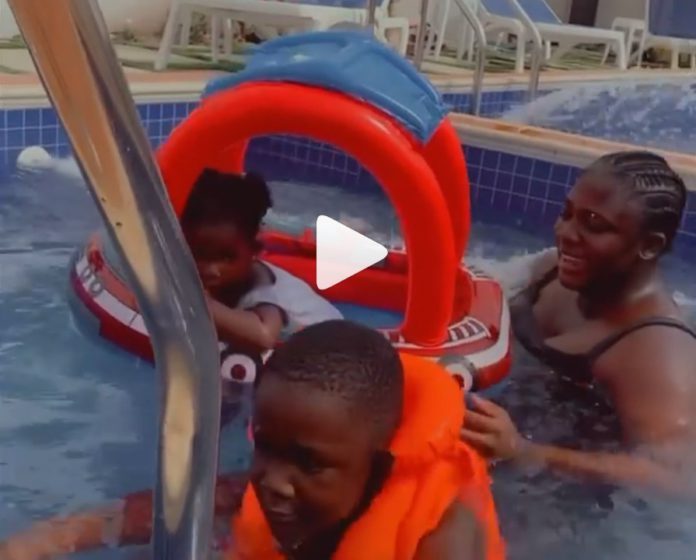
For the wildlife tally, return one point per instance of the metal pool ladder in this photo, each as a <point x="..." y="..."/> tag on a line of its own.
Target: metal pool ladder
<point x="473" y="20"/>
<point x="70" y="45"/>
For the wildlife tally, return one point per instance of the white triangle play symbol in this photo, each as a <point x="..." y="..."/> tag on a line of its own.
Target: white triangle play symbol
<point x="343" y="252"/>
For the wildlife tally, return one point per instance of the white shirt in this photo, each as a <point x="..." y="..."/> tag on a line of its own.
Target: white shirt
<point x="301" y="305"/>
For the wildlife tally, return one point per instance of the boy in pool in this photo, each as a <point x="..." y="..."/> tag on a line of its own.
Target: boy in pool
<point x="251" y="301"/>
<point x="357" y="455"/>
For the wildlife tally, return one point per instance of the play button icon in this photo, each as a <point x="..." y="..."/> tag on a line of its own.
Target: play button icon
<point x="343" y="252"/>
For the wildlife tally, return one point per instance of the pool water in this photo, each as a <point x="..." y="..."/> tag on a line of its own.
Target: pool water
<point x="652" y="115"/>
<point x="78" y="417"/>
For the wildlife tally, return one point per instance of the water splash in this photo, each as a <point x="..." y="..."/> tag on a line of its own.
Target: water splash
<point x="652" y="115"/>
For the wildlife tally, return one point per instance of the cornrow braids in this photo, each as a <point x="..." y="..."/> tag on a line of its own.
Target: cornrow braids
<point x="650" y="178"/>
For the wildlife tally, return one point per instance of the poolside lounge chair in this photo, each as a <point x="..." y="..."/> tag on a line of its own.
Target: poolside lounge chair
<point x="670" y="24"/>
<point x="306" y="15"/>
<point x="500" y="16"/>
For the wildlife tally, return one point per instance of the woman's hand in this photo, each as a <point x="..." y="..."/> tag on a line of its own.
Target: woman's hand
<point x="17" y="549"/>
<point x="489" y="429"/>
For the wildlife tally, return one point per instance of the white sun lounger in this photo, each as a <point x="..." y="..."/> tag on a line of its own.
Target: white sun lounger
<point x="306" y="15"/>
<point x="500" y="16"/>
<point x="670" y="24"/>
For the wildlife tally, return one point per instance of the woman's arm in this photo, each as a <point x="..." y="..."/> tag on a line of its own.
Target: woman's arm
<point x="489" y="429"/>
<point x="458" y="537"/>
<point x="620" y="468"/>
<point x="129" y="522"/>
<point x="60" y="536"/>
<point x="257" y="330"/>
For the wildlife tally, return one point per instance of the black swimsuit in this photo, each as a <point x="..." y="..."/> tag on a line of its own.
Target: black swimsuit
<point x="577" y="368"/>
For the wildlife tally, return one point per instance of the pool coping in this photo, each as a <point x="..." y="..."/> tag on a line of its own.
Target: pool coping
<point x="26" y="91"/>
<point x="569" y="149"/>
<point x="564" y="77"/>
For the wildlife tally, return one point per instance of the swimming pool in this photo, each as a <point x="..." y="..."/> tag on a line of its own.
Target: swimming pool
<point x="78" y="418"/>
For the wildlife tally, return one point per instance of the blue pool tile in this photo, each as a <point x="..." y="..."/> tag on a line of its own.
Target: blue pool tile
<point x="32" y="137"/>
<point x="49" y="136"/>
<point x="689" y="223"/>
<point x="573" y="175"/>
<point x="520" y="185"/>
<point x="491" y="160"/>
<point x="535" y="209"/>
<point x="551" y="212"/>
<point x="691" y="202"/>
<point x="474" y="156"/>
<point x="48" y="117"/>
<point x="524" y="166"/>
<point x="154" y="111"/>
<point x="15" y="138"/>
<point x="560" y="173"/>
<point x="180" y="110"/>
<point x="32" y="118"/>
<point x="474" y="175"/>
<point x="538" y="189"/>
<point x="15" y="118"/>
<point x="507" y="162"/>
<point x="504" y="182"/>
<point x="154" y="130"/>
<point x="12" y="155"/>
<point x="142" y="112"/>
<point x="484" y="195"/>
<point x="557" y="192"/>
<point x="517" y="205"/>
<point x="541" y="170"/>
<point x="487" y="178"/>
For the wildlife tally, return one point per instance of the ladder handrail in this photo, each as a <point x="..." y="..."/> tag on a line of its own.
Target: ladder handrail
<point x="71" y="48"/>
<point x="537" y="50"/>
<point x="372" y="6"/>
<point x="419" y="49"/>
<point x="477" y="86"/>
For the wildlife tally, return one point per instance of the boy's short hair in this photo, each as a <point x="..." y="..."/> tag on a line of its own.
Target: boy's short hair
<point x="350" y="360"/>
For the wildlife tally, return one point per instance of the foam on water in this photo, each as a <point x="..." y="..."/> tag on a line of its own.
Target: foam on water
<point x="78" y="418"/>
<point x="653" y="115"/>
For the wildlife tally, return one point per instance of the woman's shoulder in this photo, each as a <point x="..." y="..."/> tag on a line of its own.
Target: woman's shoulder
<point x="654" y="344"/>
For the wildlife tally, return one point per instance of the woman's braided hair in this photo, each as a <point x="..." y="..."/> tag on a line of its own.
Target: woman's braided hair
<point x="650" y="178"/>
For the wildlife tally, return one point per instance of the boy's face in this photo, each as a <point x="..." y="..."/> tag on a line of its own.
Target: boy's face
<point x="312" y="458"/>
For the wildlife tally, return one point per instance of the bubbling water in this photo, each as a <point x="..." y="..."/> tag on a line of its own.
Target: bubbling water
<point x="76" y="412"/>
<point x="653" y="115"/>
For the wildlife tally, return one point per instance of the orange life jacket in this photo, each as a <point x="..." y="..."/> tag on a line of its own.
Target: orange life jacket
<point x="432" y="468"/>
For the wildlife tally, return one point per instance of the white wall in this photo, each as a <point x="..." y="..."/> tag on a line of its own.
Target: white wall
<point x="607" y="10"/>
<point x="143" y="16"/>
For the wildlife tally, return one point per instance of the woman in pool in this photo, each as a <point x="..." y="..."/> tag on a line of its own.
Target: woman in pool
<point x="251" y="301"/>
<point x="598" y="314"/>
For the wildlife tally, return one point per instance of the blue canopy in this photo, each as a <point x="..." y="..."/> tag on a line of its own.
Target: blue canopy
<point x="352" y="62"/>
